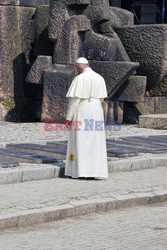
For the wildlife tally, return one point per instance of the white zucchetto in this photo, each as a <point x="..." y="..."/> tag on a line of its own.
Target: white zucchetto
<point x="82" y="60"/>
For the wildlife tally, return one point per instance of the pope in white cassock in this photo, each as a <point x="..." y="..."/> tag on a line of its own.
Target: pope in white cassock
<point x="86" y="151"/>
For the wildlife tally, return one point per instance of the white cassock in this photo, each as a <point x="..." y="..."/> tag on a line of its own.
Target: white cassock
<point x="86" y="151"/>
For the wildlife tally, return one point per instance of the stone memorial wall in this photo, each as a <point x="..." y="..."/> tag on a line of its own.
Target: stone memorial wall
<point x="41" y="40"/>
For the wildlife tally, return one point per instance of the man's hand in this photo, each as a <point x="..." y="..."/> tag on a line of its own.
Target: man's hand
<point x="68" y="124"/>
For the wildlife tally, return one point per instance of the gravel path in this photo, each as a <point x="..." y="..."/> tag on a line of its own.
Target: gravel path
<point x="35" y="132"/>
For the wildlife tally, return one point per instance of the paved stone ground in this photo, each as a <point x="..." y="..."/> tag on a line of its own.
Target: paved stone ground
<point x="34" y="132"/>
<point x="47" y="193"/>
<point x="133" y="228"/>
<point x="138" y="228"/>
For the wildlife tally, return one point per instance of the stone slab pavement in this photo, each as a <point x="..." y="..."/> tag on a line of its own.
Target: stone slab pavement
<point x="137" y="228"/>
<point x="21" y="197"/>
<point x="38" y="201"/>
<point x="35" y="133"/>
<point x="30" y="172"/>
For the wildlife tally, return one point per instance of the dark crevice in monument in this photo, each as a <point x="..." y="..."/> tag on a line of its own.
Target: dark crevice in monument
<point x="27" y="97"/>
<point x="82" y="36"/>
<point x="31" y="56"/>
<point x="131" y="113"/>
<point x="82" y="39"/>
<point x="76" y="9"/>
<point x="20" y="69"/>
<point x="43" y="45"/>
<point x="96" y="27"/>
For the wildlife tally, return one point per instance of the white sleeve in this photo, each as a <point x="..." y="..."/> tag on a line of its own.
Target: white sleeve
<point x="72" y="107"/>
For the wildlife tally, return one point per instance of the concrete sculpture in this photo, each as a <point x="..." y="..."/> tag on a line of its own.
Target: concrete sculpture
<point x="75" y="28"/>
<point x="46" y="40"/>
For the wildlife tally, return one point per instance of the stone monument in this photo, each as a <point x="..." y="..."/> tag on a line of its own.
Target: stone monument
<point x="43" y="41"/>
<point x="85" y="28"/>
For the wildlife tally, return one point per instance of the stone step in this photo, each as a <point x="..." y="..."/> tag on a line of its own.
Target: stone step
<point x="8" y="164"/>
<point x="143" y="148"/>
<point x="38" y="171"/>
<point x="38" y="149"/>
<point x="145" y="140"/>
<point x="153" y="121"/>
<point x="13" y="155"/>
<point x="78" y="207"/>
<point x="120" y="153"/>
<point x="30" y="173"/>
<point x="57" y="144"/>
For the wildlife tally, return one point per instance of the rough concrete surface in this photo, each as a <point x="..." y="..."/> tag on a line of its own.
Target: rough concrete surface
<point x="132" y="90"/>
<point x="154" y="121"/>
<point x="42" y="44"/>
<point x="10" y="2"/>
<point x="16" y="37"/>
<point x="42" y="63"/>
<point x="146" y="44"/>
<point x="33" y="3"/>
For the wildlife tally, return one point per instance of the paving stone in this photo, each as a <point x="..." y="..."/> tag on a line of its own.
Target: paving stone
<point x="160" y="137"/>
<point x="141" y="164"/>
<point x="38" y="174"/>
<point x="132" y="164"/>
<point x="26" y="157"/>
<point x="31" y="217"/>
<point x="28" y="172"/>
<point x="26" y="201"/>
<point x="9" y="220"/>
<point x="11" y="176"/>
<point x="35" y="216"/>
<point x="38" y="149"/>
<point x="145" y="140"/>
<point x="60" y="144"/>
<point x="8" y="164"/>
<point x="117" y="166"/>
<point x="141" y="148"/>
<point x="119" y="152"/>
<point x="31" y="173"/>
<point x="116" y="152"/>
<point x="111" y="152"/>
<point x="158" y="161"/>
<point x="136" y="228"/>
